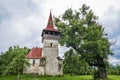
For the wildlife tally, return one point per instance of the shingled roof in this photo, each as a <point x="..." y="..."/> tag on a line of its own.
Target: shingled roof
<point x="35" y="53"/>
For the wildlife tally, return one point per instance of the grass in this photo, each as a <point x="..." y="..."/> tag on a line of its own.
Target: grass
<point x="65" y="77"/>
<point x="114" y="77"/>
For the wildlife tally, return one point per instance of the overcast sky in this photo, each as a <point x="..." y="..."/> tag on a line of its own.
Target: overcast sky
<point x="21" y="21"/>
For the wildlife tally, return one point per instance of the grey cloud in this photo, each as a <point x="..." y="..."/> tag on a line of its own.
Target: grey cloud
<point x="21" y="7"/>
<point x="20" y="23"/>
<point x="111" y="21"/>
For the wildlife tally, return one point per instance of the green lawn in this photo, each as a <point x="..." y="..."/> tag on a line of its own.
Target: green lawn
<point x="65" y="77"/>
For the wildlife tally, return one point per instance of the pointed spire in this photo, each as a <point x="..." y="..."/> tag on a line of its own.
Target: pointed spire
<point x="50" y="25"/>
<point x="50" y="22"/>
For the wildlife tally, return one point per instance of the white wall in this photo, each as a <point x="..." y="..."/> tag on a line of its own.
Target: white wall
<point x="37" y="61"/>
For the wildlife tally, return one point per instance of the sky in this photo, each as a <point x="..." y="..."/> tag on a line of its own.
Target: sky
<point x="22" y="21"/>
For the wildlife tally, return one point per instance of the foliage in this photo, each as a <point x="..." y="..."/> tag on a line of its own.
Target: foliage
<point x="13" y="61"/>
<point x="114" y="69"/>
<point x="74" y="64"/>
<point x="81" y="31"/>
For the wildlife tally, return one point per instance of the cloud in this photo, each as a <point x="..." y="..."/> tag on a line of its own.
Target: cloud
<point x="113" y="60"/>
<point x="111" y="22"/>
<point x="20" y="23"/>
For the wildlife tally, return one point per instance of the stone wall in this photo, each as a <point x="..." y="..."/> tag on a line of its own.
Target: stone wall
<point x="51" y="54"/>
<point x="34" y="68"/>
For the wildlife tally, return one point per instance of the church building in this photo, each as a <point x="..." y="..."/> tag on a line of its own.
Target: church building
<point x="46" y="61"/>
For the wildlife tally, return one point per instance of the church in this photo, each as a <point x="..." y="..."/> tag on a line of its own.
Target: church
<point x="46" y="60"/>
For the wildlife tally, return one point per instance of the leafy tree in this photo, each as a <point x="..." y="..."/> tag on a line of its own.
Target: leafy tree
<point x="13" y="61"/>
<point x="69" y="62"/>
<point x="81" y="31"/>
<point x="75" y="64"/>
<point x="114" y="69"/>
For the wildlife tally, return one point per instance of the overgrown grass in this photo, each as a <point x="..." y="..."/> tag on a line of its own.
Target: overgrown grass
<point x="65" y="77"/>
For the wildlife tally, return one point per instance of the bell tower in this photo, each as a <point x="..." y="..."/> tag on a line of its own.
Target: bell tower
<point x="50" y="37"/>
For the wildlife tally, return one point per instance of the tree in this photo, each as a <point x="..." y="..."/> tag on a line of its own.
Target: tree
<point x="73" y="63"/>
<point x="13" y="61"/>
<point x="114" y="69"/>
<point x="68" y="62"/>
<point x="81" y="31"/>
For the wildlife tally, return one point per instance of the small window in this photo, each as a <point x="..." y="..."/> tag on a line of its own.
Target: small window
<point x="51" y="33"/>
<point x="56" y="33"/>
<point x="51" y="44"/>
<point x="46" y="32"/>
<point x="33" y="62"/>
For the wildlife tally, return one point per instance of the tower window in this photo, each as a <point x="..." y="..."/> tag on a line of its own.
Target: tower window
<point x="56" y="33"/>
<point x="51" y="44"/>
<point x="48" y="32"/>
<point x="51" y="33"/>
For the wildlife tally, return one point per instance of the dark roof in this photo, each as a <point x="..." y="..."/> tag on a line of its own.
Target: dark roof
<point x="59" y="58"/>
<point x="35" y="53"/>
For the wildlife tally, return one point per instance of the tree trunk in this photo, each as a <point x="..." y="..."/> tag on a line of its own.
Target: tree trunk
<point x="100" y="73"/>
<point x="71" y="72"/>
